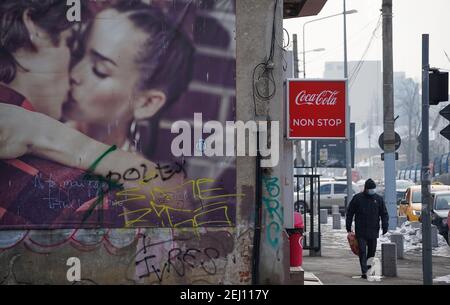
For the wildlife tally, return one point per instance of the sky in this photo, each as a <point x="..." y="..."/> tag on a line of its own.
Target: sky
<point x="411" y="19"/>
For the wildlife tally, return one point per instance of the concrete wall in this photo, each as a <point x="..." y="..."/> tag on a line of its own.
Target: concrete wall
<point x="181" y="256"/>
<point x="254" y="29"/>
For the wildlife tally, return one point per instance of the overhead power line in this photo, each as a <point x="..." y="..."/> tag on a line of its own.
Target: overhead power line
<point x="357" y="68"/>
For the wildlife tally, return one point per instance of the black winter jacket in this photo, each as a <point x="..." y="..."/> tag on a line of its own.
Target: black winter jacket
<point x="368" y="210"/>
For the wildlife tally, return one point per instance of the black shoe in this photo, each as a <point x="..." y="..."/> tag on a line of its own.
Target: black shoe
<point x="364" y="276"/>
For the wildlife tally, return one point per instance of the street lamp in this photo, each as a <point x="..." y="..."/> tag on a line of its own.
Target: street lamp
<point x="326" y="17"/>
<point x="310" y="51"/>
<point x="348" y="165"/>
<point x="314" y="50"/>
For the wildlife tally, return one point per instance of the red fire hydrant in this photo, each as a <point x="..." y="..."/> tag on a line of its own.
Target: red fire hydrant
<point x="295" y="241"/>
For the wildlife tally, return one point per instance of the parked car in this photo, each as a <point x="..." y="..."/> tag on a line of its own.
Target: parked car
<point x="401" y="187"/>
<point x="298" y="182"/>
<point x="331" y="193"/>
<point x="440" y="212"/>
<point x="411" y="204"/>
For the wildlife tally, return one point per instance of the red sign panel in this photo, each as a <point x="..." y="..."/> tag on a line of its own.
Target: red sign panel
<point x="316" y="109"/>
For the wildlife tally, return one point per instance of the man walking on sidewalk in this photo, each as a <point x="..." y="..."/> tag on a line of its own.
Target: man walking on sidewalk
<point x="368" y="208"/>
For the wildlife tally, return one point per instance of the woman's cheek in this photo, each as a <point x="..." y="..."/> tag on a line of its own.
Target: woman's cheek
<point x="106" y="103"/>
<point x="119" y="99"/>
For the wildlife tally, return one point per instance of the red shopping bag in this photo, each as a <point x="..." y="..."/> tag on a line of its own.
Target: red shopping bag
<point x="353" y="242"/>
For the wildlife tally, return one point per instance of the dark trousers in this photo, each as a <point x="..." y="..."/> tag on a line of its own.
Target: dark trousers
<point x="367" y="249"/>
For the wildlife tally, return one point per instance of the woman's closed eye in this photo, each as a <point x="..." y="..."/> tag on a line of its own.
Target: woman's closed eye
<point x="101" y="65"/>
<point x="100" y="71"/>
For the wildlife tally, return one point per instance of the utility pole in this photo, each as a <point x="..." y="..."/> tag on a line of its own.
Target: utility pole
<point x="348" y="153"/>
<point x="425" y="174"/>
<point x="388" y="117"/>
<point x="295" y="50"/>
<point x="307" y="161"/>
<point x="298" y="144"/>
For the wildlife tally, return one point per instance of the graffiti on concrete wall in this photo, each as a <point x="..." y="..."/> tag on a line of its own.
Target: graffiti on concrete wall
<point x="181" y="257"/>
<point x="192" y="204"/>
<point x="274" y="210"/>
<point x="43" y="241"/>
<point x="152" y="256"/>
<point x="177" y="260"/>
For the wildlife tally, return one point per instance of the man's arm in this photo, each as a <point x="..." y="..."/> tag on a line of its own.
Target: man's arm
<point x="384" y="215"/>
<point x="25" y="132"/>
<point x="350" y="213"/>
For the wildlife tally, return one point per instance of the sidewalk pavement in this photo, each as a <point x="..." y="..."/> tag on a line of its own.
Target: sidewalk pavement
<point x="311" y="279"/>
<point x="338" y="266"/>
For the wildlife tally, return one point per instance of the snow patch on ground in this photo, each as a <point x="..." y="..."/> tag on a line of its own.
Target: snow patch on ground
<point x="413" y="240"/>
<point x="442" y="279"/>
<point x="337" y="239"/>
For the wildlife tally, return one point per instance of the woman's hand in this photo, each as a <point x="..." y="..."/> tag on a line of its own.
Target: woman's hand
<point x="16" y="131"/>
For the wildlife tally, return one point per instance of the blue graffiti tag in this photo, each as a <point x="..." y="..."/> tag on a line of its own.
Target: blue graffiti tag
<point x="274" y="210"/>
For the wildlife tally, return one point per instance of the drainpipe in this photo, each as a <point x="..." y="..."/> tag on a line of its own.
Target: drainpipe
<point x="258" y="216"/>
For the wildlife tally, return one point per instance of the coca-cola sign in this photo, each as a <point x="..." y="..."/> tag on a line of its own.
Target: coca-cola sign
<point x="316" y="109"/>
<point x="326" y="97"/>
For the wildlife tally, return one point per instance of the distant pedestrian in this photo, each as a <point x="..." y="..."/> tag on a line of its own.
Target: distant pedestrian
<point x="368" y="208"/>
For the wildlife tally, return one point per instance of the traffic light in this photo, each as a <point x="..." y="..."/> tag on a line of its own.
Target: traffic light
<point x="446" y="114"/>
<point x="439" y="93"/>
<point x="438" y="87"/>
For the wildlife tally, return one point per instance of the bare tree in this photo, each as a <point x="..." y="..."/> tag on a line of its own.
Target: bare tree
<point x="407" y="98"/>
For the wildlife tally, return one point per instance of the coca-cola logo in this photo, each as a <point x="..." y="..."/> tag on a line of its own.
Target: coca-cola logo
<point x="324" y="98"/>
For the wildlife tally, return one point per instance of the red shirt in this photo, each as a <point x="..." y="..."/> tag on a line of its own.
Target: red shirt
<point x="37" y="193"/>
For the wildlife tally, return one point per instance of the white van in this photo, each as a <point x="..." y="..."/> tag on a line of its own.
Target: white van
<point x="331" y="193"/>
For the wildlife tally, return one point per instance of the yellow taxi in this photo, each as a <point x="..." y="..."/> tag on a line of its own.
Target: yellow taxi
<point x="411" y="204"/>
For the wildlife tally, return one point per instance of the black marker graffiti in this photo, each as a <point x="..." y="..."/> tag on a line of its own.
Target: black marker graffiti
<point x="141" y="174"/>
<point x="178" y="261"/>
